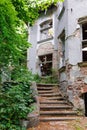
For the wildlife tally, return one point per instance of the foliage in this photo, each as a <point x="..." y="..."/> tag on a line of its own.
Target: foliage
<point x="15" y="100"/>
<point x="14" y="14"/>
<point x="28" y="10"/>
<point x="44" y="5"/>
<point x="12" y="44"/>
<point x="47" y="79"/>
<point x="20" y="73"/>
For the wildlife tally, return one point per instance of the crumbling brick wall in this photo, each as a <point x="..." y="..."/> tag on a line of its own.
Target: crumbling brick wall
<point x="73" y="84"/>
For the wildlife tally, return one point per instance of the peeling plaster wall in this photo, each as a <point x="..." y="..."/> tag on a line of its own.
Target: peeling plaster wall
<point x="76" y="9"/>
<point x="45" y="46"/>
<point x="31" y="53"/>
<point x="73" y="77"/>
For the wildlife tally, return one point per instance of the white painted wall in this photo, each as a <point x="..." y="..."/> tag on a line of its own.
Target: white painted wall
<point x="34" y="38"/>
<point x="31" y="56"/>
<point x="74" y="9"/>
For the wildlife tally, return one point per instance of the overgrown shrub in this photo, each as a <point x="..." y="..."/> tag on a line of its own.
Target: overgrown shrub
<point x="15" y="101"/>
<point x="53" y="78"/>
<point x="22" y="74"/>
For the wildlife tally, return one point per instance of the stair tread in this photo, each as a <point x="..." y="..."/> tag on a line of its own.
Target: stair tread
<point x="58" y="112"/>
<point x="43" y="84"/>
<point x="46" y="91"/>
<point x="55" y="98"/>
<point x="51" y="94"/>
<point x="45" y="88"/>
<point x="53" y="102"/>
<point x="57" y="118"/>
<point x="55" y="106"/>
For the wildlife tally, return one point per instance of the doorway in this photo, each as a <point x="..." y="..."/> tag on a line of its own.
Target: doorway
<point x="85" y="101"/>
<point x="46" y="64"/>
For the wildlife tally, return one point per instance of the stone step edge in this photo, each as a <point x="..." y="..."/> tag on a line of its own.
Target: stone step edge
<point x="58" y="118"/>
<point x="47" y="84"/>
<point x="44" y="88"/>
<point x="53" y="102"/>
<point x="59" y="107"/>
<point x="50" y="94"/>
<point x="58" y="112"/>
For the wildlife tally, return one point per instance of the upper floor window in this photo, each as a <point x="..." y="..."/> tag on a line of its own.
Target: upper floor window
<point x="62" y="48"/>
<point x="46" y="30"/>
<point x="84" y="41"/>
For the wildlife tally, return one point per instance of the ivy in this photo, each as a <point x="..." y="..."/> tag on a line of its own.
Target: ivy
<point x="15" y="99"/>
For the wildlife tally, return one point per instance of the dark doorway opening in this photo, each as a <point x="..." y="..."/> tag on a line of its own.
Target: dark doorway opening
<point x="46" y="64"/>
<point x="85" y="101"/>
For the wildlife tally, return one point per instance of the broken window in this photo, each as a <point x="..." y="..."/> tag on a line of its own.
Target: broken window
<point x="85" y="101"/>
<point x="46" y="64"/>
<point x="62" y="42"/>
<point x="46" y="30"/>
<point x="84" y="41"/>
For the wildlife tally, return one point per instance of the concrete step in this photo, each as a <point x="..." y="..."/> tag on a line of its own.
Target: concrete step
<point x="50" y="95"/>
<point x="44" y="88"/>
<point x="53" y="102"/>
<point x="52" y="106"/>
<point x="55" y="98"/>
<point x="46" y="91"/>
<point x="47" y="85"/>
<point x="62" y="112"/>
<point x="57" y="118"/>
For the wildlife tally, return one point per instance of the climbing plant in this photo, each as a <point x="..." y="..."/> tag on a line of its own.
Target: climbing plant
<point x="15" y="17"/>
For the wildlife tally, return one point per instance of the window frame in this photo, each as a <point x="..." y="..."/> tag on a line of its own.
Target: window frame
<point x="46" y="30"/>
<point x="84" y="43"/>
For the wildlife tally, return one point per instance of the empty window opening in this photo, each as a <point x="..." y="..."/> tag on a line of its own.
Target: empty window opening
<point x="46" y="30"/>
<point x="85" y="101"/>
<point x="46" y="64"/>
<point x="84" y="31"/>
<point x="62" y="39"/>
<point x="84" y="42"/>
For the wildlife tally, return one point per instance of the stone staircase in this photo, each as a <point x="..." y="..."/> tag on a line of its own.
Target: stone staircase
<point x="53" y="107"/>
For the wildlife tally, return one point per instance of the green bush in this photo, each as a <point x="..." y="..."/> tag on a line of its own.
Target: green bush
<point x="15" y="103"/>
<point x="21" y="74"/>
<point x="53" y="78"/>
<point x="15" y="99"/>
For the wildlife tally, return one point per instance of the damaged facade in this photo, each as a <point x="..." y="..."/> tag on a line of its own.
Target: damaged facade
<point x="59" y="41"/>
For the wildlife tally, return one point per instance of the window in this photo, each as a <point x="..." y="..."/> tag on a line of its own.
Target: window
<point x="84" y="41"/>
<point x="45" y="64"/>
<point x="62" y="46"/>
<point x="46" y="30"/>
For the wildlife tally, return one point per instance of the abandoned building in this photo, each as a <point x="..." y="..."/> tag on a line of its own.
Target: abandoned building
<point x="59" y="41"/>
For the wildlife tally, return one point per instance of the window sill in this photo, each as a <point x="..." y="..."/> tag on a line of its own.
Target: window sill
<point x="83" y="64"/>
<point x="43" y="29"/>
<point x="47" y="39"/>
<point x="61" y="13"/>
<point x="85" y="40"/>
<point x="62" y="69"/>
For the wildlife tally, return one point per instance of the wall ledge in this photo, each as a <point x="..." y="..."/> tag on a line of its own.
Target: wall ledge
<point x="82" y="64"/>
<point x="62" y="69"/>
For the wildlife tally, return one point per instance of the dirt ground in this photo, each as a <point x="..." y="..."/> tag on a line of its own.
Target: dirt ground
<point x="78" y="124"/>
